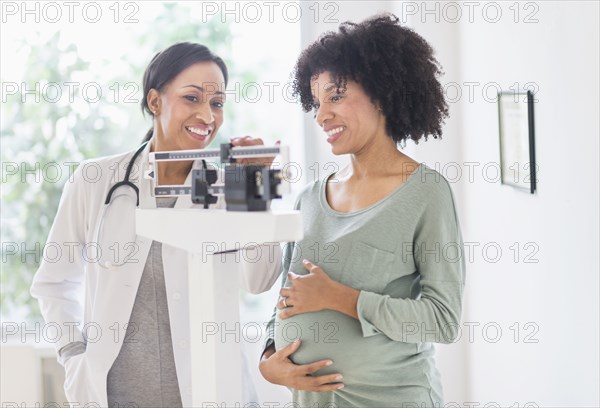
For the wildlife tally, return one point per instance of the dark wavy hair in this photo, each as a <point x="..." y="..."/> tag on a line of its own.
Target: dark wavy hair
<point x="395" y="67"/>
<point x="169" y="63"/>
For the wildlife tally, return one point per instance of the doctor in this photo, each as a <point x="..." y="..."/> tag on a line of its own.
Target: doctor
<point x="120" y="299"/>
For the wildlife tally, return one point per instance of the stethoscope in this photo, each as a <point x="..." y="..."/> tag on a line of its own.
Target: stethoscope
<point x="125" y="181"/>
<point x="128" y="246"/>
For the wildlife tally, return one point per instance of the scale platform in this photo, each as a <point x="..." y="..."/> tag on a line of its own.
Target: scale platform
<point x="191" y="228"/>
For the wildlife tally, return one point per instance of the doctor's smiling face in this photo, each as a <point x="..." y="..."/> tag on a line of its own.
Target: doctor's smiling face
<point x="188" y="111"/>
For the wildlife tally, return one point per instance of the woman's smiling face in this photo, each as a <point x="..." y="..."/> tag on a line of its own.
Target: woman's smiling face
<point x="347" y="115"/>
<point x="189" y="110"/>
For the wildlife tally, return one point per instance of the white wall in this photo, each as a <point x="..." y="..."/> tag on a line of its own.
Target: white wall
<point x="20" y="375"/>
<point x="552" y="295"/>
<point x="559" y="293"/>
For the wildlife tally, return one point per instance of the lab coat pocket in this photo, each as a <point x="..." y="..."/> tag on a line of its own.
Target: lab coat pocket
<point x="368" y="268"/>
<point x="75" y="378"/>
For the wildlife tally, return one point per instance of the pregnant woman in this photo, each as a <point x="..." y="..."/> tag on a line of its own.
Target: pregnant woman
<point x="379" y="275"/>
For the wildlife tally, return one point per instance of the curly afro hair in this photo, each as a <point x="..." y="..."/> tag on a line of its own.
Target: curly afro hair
<point x="394" y="65"/>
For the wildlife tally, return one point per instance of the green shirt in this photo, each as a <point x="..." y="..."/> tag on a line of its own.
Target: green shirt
<point x="405" y="255"/>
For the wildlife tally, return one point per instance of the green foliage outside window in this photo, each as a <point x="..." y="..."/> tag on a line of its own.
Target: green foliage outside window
<point x="52" y="138"/>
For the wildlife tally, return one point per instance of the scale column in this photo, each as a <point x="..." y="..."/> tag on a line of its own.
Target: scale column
<point x="216" y="360"/>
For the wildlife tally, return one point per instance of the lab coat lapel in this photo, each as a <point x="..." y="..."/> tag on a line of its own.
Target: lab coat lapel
<point x="127" y="277"/>
<point x="122" y="282"/>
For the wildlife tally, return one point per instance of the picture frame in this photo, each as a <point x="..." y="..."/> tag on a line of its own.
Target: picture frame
<point x="517" y="140"/>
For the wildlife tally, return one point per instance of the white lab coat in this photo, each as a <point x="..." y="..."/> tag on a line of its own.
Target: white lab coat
<point x="79" y="296"/>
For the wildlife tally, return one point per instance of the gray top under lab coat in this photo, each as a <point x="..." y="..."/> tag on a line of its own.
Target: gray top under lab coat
<point x="143" y="374"/>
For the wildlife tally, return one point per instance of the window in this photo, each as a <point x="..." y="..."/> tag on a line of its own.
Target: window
<point x="71" y="90"/>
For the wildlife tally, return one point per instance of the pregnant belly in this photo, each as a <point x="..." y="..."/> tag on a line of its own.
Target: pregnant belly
<point x="337" y="337"/>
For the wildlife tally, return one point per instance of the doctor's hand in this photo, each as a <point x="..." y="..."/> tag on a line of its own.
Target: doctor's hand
<point x="249" y="141"/>
<point x="314" y="292"/>
<point x="277" y="368"/>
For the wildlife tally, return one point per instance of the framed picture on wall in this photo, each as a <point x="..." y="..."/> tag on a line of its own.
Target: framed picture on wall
<point x="517" y="152"/>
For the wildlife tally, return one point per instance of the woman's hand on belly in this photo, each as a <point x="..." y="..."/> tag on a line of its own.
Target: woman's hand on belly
<point x="314" y="292"/>
<point x="277" y="368"/>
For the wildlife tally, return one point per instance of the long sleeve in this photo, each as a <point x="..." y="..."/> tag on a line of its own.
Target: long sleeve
<point x="270" y="329"/>
<point x="288" y="254"/>
<point x="59" y="282"/>
<point x="260" y="270"/>
<point x="438" y="255"/>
